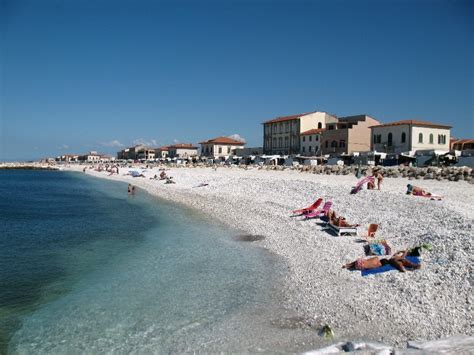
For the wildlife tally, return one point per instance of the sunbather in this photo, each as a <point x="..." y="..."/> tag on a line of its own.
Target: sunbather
<point x="398" y="261"/>
<point x="338" y="221"/>
<point x="418" y="191"/>
<point x="163" y="175"/>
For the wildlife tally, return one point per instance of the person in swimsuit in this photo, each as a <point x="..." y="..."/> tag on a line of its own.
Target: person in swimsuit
<point x="398" y="261"/>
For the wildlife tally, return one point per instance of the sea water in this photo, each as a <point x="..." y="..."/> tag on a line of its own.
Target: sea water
<point x="85" y="267"/>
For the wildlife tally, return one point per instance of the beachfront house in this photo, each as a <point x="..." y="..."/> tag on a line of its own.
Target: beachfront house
<point x="161" y="153"/>
<point x="68" y="158"/>
<point x="410" y="136"/>
<point x="462" y="144"/>
<point x="138" y="152"/>
<point x="348" y="135"/>
<point x="282" y="134"/>
<point x="247" y="152"/>
<point x="220" y="147"/>
<point x="310" y="142"/>
<point x="182" y="150"/>
<point x="91" y="157"/>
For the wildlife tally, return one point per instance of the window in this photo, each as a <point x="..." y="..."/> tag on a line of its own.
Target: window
<point x="220" y="150"/>
<point x="380" y="138"/>
<point x="375" y="139"/>
<point x="342" y="144"/>
<point x="287" y="127"/>
<point x="333" y="144"/>
<point x="304" y="138"/>
<point x="420" y="138"/>
<point x="303" y="149"/>
<point x="327" y="144"/>
<point x="274" y="142"/>
<point x="317" y="138"/>
<point x="309" y="149"/>
<point x="280" y="142"/>
<point x="281" y="127"/>
<point x="390" y="139"/>
<point x="431" y="138"/>
<point x="310" y="138"/>
<point x="404" y="137"/>
<point x="228" y="150"/>
<point x="286" y="142"/>
<point x="320" y="125"/>
<point x="439" y="138"/>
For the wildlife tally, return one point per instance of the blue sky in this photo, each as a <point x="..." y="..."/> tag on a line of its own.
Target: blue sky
<point x="91" y="75"/>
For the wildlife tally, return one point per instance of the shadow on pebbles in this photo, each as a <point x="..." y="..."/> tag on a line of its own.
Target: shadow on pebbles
<point x="249" y="238"/>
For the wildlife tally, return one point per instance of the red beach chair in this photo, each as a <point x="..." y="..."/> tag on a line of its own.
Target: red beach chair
<point x="319" y="213"/>
<point x="311" y="208"/>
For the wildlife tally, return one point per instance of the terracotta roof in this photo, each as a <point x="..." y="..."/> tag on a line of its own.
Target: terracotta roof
<point x="288" y="118"/>
<point x="182" y="145"/>
<point x="163" y="148"/>
<point x="223" y="140"/>
<point x="413" y="123"/>
<point x="462" y="141"/>
<point x="312" y="131"/>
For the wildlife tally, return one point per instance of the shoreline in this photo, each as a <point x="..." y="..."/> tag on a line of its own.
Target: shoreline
<point x="431" y="303"/>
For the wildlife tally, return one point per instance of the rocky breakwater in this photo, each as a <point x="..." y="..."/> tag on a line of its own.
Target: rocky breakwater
<point x="416" y="173"/>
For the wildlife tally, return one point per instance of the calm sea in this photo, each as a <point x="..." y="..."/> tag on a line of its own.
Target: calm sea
<point x="86" y="268"/>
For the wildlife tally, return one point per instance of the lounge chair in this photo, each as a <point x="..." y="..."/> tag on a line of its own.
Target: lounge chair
<point x="311" y="208"/>
<point x="343" y="230"/>
<point x="321" y="212"/>
<point x="361" y="183"/>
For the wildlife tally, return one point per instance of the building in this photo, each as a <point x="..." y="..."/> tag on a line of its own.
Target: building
<point x="91" y="157"/>
<point x="282" y="134"/>
<point x="220" y="147"/>
<point x="462" y="144"/>
<point x="246" y="152"/>
<point x="161" y="153"/>
<point x="182" y="150"/>
<point x="348" y="135"/>
<point x="310" y="142"/>
<point x="410" y="136"/>
<point x="68" y="158"/>
<point x="138" y="152"/>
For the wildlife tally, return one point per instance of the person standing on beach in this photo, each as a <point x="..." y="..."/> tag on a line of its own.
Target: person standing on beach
<point x="378" y="175"/>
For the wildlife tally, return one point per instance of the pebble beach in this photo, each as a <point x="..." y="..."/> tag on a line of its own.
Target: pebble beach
<point x="392" y="307"/>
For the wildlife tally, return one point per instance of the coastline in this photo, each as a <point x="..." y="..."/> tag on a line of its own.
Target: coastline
<point x="431" y="303"/>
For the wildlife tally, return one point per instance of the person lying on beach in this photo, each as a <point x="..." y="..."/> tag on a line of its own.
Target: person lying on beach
<point x="163" y="175"/>
<point x="398" y="261"/>
<point x="154" y="177"/>
<point x="338" y="221"/>
<point x="169" y="180"/>
<point x="418" y="191"/>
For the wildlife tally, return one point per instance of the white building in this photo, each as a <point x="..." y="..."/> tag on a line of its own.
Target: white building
<point x="220" y="147"/>
<point x="410" y="136"/>
<point x="91" y="157"/>
<point x="310" y="142"/>
<point x="182" y="150"/>
<point x="282" y="134"/>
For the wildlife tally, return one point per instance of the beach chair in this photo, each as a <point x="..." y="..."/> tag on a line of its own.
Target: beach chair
<point x="311" y="208"/>
<point x="371" y="231"/>
<point x="343" y="230"/>
<point x="319" y="213"/>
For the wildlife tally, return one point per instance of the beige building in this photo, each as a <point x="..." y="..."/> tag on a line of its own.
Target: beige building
<point x="310" y="142"/>
<point x="137" y="152"/>
<point x="349" y="135"/>
<point x="91" y="157"/>
<point x="182" y="150"/>
<point x="161" y="153"/>
<point x="410" y="136"/>
<point x="282" y="134"/>
<point x="220" y="147"/>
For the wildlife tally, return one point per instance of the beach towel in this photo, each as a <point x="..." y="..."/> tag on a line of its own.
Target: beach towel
<point x="388" y="267"/>
<point x="379" y="247"/>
